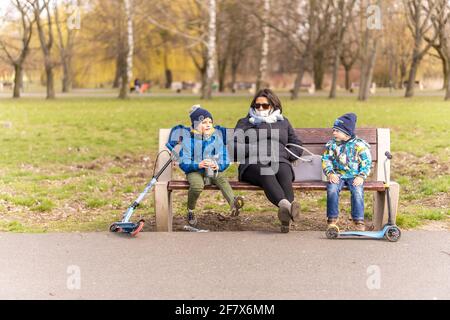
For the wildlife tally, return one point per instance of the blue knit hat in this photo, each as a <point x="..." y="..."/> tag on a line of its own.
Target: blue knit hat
<point x="346" y="124"/>
<point x="198" y="114"/>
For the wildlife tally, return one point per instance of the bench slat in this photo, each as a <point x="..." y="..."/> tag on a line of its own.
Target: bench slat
<point x="320" y="148"/>
<point x="307" y="185"/>
<point x="323" y="135"/>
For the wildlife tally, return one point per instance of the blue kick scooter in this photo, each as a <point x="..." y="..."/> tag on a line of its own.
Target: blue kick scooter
<point x="390" y="231"/>
<point x="125" y="226"/>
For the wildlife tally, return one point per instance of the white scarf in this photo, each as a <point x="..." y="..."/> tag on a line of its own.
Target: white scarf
<point x="271" y="118"/>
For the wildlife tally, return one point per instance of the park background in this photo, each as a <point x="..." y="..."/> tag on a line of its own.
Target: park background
<point x="78" y="144"/>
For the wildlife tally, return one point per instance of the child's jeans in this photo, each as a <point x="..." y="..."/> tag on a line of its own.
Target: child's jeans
<point x="196" y="185"/>
<point x="357" y="199"/>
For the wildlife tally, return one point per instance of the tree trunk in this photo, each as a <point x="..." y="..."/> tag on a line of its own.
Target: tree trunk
<point x="222" y="74"/>
<point x="335" y="71"/>
<point x="67" y="77"/>
<point x="46" y="45"/>
<point x="347" y="77"/>
<point x="402" y="75"/>
<point x="412" y="78"/>
<point x="18" y="73"/>
<point x="298" y="81"/>
<point x="211" y="51"/>
<point x="50" y="81"/>
<point x="234" y="69"/>
<point x="447" y="80"/>
<point x="319" y="69"/>
<point x="264" y="49"/>
<point x="65" y="52"/>
<point x="127" y="74"/>
<point x="118" y="74"/>
<point x="167" y="71"/>
<point x="367" y="73"/>
<point x="169" y="78"/>
<point x="445" y="73"/>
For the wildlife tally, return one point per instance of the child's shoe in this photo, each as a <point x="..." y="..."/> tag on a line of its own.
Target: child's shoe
<point x="359" y="225"/>
<point x="238" y="203"/>
<point x="332" y="221"/>
<point x="192" y="220"/>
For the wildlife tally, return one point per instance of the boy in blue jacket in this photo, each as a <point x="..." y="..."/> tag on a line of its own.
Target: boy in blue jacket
<point x="346" y="161"/>
<point x="203" y="157"/>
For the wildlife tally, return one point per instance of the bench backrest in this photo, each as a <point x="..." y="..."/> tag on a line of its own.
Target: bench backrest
<point x="314" y="139"/>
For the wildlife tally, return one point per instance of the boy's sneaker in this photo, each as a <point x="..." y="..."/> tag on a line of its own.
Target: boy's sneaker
<point x="359" y="225"/>
<point x="284" y="214"/>
<point x="238" y="203"/>
<point x="332" y="221"/>
<point x="192" y="220"/>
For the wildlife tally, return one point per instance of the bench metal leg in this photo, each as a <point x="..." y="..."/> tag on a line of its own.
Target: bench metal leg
<point x="163" y="207"/>
<point x="380" y="209"/>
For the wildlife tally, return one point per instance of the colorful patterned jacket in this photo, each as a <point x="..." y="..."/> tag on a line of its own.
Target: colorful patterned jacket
<point x="347" y="159"/>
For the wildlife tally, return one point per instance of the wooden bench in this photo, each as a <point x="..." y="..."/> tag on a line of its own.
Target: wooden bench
<point x="314" y="139"/>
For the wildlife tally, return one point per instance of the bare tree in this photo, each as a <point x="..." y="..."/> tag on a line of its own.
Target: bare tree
<point x="296" y="27"/>
<point x="323" y="12"/>
<point x="441" y="25"/>
<point x="46" y="40"/>
<point x="264" y="47"/>
<point x="439" y="21"/>
<point x="109" y="38"/>
<point x="418" y="13"/>
<point x="343" y="14"/>
<point x="16" y="57"/>
<point x="167" y="40"/>
<point x="127" y="72"/>
<point x="240" y="38"/>
<point x="194" y="22"/>
<point x="370" y="36"/>
<point x="65" y="45"/>
<point x="211" y="50"/>
<point x="349" y="53"/>
<point x="397" y="43"/>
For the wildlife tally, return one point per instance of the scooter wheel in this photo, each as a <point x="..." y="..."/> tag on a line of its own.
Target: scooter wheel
<point x="393" y="234"/>
<point x="332" y="232"/>
<point x="138" y="228"/>
<point x="113" y="228"/>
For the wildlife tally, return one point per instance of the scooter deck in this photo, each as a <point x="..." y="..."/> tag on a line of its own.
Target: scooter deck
<point x="127" y="227"/>
<point x="390" y="232"/>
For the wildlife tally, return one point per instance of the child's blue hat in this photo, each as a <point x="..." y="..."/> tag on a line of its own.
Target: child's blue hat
<point x="198" y="114"/>
<point x="346" y="124"/>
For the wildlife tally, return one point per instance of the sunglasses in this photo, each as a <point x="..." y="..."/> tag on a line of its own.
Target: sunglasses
<point x="265" y="106"/>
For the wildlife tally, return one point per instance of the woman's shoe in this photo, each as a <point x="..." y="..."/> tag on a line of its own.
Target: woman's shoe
<point x="295" y="210"/>
<point x="284" y="214"/>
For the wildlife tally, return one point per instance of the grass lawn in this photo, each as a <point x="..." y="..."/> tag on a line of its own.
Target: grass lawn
<point x="75" y="164"/>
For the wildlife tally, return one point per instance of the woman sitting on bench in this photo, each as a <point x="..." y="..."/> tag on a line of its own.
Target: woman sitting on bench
<point x="259" y="130"/>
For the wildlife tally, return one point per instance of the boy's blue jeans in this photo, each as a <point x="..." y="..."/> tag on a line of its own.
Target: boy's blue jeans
<point x="357" y="199"/>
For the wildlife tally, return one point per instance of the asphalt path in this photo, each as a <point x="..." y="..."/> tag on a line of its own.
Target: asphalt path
<point x="223" y="265"/>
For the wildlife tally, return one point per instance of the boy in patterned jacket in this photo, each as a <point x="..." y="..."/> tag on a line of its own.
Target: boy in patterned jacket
<point x="346" y="161"/>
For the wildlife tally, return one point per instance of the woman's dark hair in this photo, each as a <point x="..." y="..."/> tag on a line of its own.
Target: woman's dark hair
<point x="271" y="97"/>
